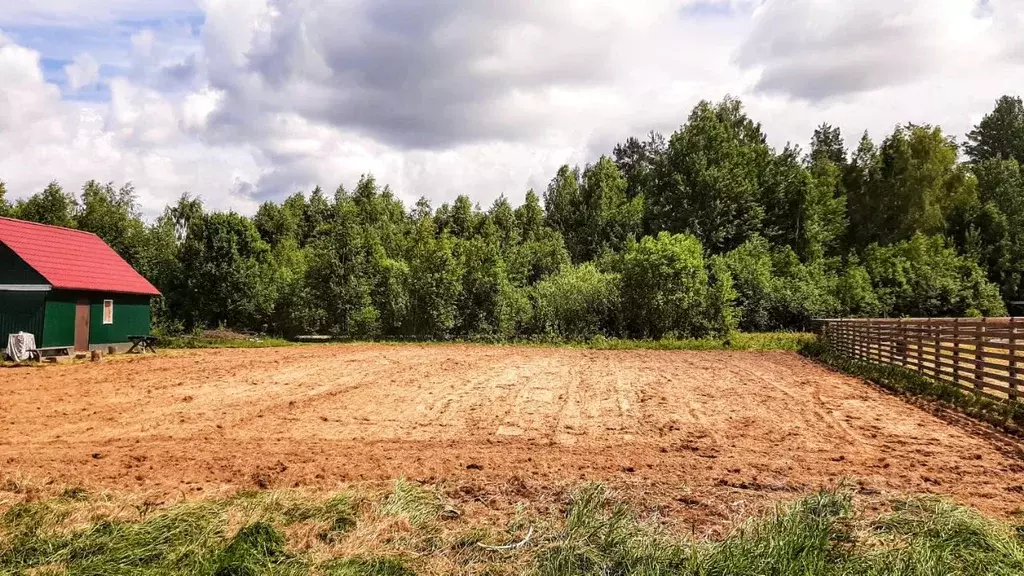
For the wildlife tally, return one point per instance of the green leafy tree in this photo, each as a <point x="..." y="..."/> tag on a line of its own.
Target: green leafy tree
<point x="530" y="217"/>
<point x="859" y="182"/>
<point x="827" y="145"/>
<point x="992" y="230"/>
<point x="226" y="274"/>
<point x="316" y="213"/>
<point x="277" y="223"/>
<point x="578" y="303"/>
<point x="913" y="186"/>
<point x="460" y="218"/>
<point x="52" y="206"/>
<point x="338" y="273"/>
<point x="563" y="207"/>
<point x="113" y="215"/>
<point x="855" y="294"/>
<point x="591" y="209"/>
<point x="183" y="213"/>
<point x="822" y="220"/>
<point x="1000" y="134"/>
<point x="5" y="206"/>
<point x="710" y="180"/>
<point x="666" y="290"/>
<point x="534" y="260"/>
<point x="611" y="216"/>
<point x="296" y="311"/>
<point x="775" y="290"/>
<point x="485" y="298"/>
<point x="156" y="258"/>
<point x="753" y="276"/>
<point x="640" y="162"/>
<point x="924" y="277"/>
<point x="803" y="209"/>
<point x="435" y="282"/>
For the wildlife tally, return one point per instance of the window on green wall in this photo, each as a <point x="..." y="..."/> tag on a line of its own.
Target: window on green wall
<point x="108" y="311"/>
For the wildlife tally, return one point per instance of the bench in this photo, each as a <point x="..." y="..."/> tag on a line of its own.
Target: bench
<point x="38" y="354"/>
<point x="142" y="343"/>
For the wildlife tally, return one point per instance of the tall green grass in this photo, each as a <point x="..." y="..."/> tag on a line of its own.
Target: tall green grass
<point x="787" y="341"/>
<point x="406" y="532"/>
<point x="202" y="342"/>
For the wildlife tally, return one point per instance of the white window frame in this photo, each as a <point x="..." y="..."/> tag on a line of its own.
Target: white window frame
<point x="105" y="319"/>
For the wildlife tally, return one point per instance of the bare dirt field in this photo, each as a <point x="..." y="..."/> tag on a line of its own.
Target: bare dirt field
<point x="697" y="433"/>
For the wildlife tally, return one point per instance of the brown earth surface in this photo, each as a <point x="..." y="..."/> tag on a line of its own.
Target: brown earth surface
<point x="699" y="435"/>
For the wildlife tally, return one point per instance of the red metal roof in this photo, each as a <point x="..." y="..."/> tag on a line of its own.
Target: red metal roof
<point x="71" y="259"/>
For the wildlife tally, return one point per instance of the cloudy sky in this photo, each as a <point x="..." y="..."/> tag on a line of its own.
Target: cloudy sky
<point x="240" y="101"/>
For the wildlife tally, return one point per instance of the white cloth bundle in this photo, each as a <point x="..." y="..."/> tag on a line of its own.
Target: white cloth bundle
<point x="19" y="345"/>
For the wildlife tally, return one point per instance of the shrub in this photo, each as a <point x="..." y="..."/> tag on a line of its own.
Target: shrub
<point x="577" y="303"/>
<point x="923" y="277"/>
<point x="666" y="289"/>
<point x="775" y="291"/>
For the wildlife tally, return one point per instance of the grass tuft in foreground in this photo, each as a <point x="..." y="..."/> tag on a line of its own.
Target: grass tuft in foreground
<point x="404" y="533"/>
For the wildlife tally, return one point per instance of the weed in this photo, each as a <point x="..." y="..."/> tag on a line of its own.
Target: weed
<point x="811" y="536"/>
<point x="415" y="504"/>
<point x="604" y="538"/>
<point x="256" y="549"/>
<point x="930" y="536"/>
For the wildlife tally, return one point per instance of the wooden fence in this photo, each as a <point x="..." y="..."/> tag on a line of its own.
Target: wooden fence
<point x="981" y="355"/>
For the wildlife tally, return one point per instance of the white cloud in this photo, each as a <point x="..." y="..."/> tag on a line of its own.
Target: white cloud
<point x="818" y="49"/>
<point x="26" y="97"/>
<point x="443" y="97"/>
<point x="142" y="43"/>
<point x="133" y="138"/>
<point x="82" y="72"/>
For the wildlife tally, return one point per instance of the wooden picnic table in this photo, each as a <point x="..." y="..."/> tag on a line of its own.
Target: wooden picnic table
<point x="142" y="343"/>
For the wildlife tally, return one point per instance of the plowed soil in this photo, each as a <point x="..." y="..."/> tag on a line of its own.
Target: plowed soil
<point x="699" y="433"/>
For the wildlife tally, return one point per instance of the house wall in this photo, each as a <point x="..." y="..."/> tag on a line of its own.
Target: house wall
<point x="59" y="324"/>
<point x="131" y="318"/>
<point x="19" y="311"/>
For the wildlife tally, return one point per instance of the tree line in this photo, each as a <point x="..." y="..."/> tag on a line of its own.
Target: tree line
<point x="703" y="232"/>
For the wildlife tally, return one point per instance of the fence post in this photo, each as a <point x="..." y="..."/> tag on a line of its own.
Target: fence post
<point x="921" y="347"/>
<point x="878" y="342"/>
<point x="956" y="351"/>
<point x="979" y="350"/>
<point x="855" y="340"/>
<point x="1013" y="354"/>
<point x="901" y="342"/>
<point x="871" y="337"/>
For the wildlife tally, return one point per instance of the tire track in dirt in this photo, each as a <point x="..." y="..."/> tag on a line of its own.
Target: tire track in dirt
<point x="805" y="397"/>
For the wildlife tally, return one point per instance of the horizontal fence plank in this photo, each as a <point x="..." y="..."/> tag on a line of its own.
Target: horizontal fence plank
<point x="978" y="355"/>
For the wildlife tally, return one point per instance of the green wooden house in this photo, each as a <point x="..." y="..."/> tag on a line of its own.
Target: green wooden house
<point x="68" y="288"/>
